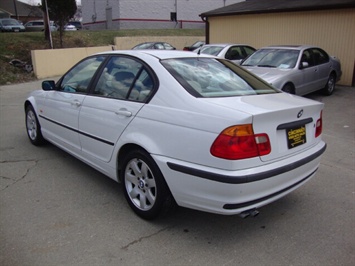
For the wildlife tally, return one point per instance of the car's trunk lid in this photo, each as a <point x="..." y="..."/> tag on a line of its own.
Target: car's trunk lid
<point x="288" y="120"/>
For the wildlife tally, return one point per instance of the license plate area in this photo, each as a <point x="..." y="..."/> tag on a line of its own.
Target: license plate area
<point x="296" y="136"/>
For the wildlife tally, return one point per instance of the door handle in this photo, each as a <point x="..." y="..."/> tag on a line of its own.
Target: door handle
<point x="76" y="103"/>
<point x="124" y="112"/>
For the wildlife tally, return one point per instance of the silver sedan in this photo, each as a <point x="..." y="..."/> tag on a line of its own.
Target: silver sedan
<point x="295" y="69"/>
<point x="230" y="51"/>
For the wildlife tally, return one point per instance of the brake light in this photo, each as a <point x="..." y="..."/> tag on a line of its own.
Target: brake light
<point x="319" y="125"/>
<point x="240" y="142"/>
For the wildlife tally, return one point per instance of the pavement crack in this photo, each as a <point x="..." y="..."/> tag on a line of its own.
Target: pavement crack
<point x="142" y="238"/>
<point x="15" y="180"/>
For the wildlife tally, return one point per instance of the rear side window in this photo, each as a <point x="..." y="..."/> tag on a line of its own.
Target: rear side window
<point x="320" y="57"/>
<point x="125" y="78"/>
<point x="210" y="77"/>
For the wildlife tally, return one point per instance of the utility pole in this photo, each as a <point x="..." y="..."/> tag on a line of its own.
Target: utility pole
<point x="47" y="30"/>
<point x="15" y="9"/>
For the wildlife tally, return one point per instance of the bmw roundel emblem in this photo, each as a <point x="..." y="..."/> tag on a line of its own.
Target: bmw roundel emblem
<point x="300" y="113"/>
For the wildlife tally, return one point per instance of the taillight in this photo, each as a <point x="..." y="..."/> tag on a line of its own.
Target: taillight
<point x="240" y="142"/>
<point x="319" y="125"/>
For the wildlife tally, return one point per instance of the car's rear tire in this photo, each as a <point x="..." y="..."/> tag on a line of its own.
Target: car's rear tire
<point x="289" y="88"/>
<point x="33" y="128"/>
<point x="144" y="186"/>
<point x="330" y="86"/>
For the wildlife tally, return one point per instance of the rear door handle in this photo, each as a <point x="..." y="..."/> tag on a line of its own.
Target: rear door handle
<point x="124" y="112"/>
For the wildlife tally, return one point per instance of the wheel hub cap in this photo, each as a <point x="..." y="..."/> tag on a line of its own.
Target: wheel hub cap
<point x="141" y="184"/>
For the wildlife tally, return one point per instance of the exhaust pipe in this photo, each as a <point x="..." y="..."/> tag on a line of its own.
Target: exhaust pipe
<point x="252" y="212"/>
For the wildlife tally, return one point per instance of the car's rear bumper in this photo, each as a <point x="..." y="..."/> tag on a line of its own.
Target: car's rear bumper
<point x="232" y="192"/>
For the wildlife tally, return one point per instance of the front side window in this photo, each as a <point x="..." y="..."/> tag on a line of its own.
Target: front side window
<point x="209" y="77"/>
<point x="125" y="78"/>
<point x="307" y="58"/>
<point x="78" y="78"/>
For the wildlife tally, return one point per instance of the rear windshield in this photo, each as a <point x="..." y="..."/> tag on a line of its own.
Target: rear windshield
<point x="210" y="77"/>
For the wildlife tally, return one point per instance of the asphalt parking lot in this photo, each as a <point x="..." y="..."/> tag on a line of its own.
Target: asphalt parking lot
<point x="55" y="210"/>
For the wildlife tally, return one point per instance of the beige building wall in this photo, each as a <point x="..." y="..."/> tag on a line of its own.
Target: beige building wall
<point x="332" y="30"/>
<point x="55" y="62"/>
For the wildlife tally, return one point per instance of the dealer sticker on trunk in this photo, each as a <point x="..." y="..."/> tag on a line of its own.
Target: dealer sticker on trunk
<point x="296" y="136"/>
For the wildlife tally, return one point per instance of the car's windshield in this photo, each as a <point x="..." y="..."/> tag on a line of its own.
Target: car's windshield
<point x="211" y="50"/>
<point x="274" y="58"/>
<point x="210" y="77"/>
<point x="9" y="22"/>
<point x="197" y="44"/>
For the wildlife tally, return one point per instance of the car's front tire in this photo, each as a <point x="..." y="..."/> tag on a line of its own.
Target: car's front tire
<point x="144" y="186"/>
<point x="330" y="86"/>
<point x="33" y="127"/>
<point x="288" y="88"/>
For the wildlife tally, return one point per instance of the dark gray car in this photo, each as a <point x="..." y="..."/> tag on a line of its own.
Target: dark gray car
<point x="10" y="24"/>
<point x="298" y="69"/>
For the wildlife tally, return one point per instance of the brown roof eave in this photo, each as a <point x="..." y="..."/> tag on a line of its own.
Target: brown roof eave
<point x="250" y="12"/>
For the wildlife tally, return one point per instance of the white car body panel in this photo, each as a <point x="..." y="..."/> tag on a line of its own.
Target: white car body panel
<point x="210" y="195"/>
<point x="69" y="106"/>
<point x="117" y="114"/>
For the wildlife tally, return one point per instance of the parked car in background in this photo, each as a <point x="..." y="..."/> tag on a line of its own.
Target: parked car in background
<point x="76" y="24"/>
<point x="11" y="25"/>
<point x="233" y="52"/>
<point x="38" y="25"/>
<point x="296" y="69"/>
<point x="177" y="127"/>
<point x="70" y="27"/>
<point x="154" y="45"/>
<point x="194" y="46"/>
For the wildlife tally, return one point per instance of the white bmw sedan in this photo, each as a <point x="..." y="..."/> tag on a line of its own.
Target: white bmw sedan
<point x="180" y="128"/>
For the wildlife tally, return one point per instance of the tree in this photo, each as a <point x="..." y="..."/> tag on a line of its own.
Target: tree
<point x="61" y="11"/>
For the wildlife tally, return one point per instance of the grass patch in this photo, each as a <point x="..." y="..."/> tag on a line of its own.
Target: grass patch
<point x="19" y="46"/>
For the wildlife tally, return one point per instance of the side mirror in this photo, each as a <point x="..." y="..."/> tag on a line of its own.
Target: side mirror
<point x="304" y="65"/>
<point x="48" y="85"/>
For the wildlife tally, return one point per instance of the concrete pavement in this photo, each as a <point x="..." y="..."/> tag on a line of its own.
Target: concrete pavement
<point x="55" y="210"/>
